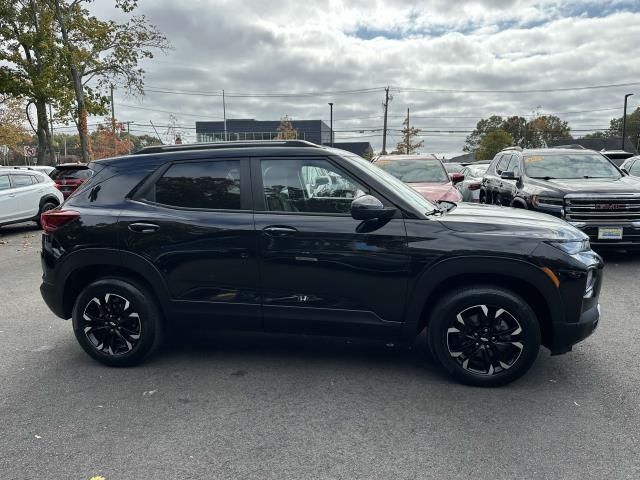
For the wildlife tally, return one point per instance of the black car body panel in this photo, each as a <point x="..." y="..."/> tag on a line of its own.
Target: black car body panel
<point x="291" y="271"/>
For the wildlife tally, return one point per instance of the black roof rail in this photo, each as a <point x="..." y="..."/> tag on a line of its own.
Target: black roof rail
<point x="573" y="145"/>
<point x="519" y="149"/>
<point x="220" y="145"/>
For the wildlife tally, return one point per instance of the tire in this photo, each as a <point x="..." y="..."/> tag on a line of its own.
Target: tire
<point x="46" y="206"/>
<point x="483" y="198"/>
<point x="490" y="360"/>
<point x="112" y="332"/>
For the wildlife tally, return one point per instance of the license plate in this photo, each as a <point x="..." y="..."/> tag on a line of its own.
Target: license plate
<point x="609" y="233"/>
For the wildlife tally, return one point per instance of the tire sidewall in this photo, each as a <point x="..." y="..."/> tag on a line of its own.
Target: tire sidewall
<point x="454" y="303"/>
<point x="143" y="304"/>
<point x="43" y="209"/>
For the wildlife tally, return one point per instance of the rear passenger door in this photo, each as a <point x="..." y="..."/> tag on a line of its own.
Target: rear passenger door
<point x="510" y="187"/>
<point x="8" y="203"/>
<point x="193" y="221"/>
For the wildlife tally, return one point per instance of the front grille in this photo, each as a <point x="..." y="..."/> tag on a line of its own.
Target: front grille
<point x="619" y="208"/>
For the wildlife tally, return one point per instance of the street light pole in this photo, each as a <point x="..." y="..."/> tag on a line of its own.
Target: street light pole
<point x="624" y="119"/>
<point x="331" y="122"/>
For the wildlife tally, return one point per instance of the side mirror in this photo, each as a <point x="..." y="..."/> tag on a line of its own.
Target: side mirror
<point x="456" y="177"/>
<point x="368" y="207"/>
<point x="508" y="175"/>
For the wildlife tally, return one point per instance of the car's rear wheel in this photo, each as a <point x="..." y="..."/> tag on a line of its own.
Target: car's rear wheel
<point x="484" y="336"/>
<point x="117" y="322"/>
<point x="46" y="206"/>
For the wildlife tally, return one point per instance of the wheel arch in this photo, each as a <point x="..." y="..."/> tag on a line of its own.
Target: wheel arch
<point x="521" y="277"/>
<point x="84" y="267"/>
<point x="48" y="198"/>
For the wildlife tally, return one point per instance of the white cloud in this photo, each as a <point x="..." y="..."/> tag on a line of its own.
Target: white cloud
<point x="292" y="46"/>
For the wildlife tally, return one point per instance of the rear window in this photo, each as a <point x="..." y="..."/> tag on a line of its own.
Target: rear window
<point x="71" y="174"/>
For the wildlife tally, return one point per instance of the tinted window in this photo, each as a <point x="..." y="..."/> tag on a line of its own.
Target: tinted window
<point x="313" y="186"/>
<point x="211" y="185"/>
<point x="635" y="168"/>
<point x="4" y="182"/>
<point x="71" y="173"/>
<point x="21" y="180"/>
<point x="502" y="164"/>
<point x="570" y="165"/>
<point x="412" y="171"/>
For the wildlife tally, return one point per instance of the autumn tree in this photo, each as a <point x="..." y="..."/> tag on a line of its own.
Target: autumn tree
<point x="30" y="62"/>
<point x="286" y="130"/>
<point x="408" y="144"/>
<point x="492" y="142"/>
<point x="13" y="133"/>
<point x="101" y="53"/>
<point x="102" y="140"/>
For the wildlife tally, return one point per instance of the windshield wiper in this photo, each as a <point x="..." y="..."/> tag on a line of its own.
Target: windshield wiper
<point x="545" y="178"/>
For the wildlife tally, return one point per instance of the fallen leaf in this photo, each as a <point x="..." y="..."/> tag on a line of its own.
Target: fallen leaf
<point x="149" y="392"/>
<point x="577" y="404"/>
<point x="38" y="436"/>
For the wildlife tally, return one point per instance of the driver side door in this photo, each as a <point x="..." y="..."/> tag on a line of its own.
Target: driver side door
<point x="322" y="270"/>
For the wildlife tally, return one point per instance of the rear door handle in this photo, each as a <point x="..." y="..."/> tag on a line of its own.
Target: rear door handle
<point x="279" y="230"/>
<point x="143" y="227"/>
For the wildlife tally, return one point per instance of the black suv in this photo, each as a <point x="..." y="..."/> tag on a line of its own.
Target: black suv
<point x="581" y="186"/>
<point x="293" y="237"/>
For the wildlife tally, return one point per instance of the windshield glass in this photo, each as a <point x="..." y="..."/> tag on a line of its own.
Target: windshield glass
<point x="414" y="171"/>
<point x="453" y="167"/>
<point x="570" y="165"/>
<point x="407" y="193"/>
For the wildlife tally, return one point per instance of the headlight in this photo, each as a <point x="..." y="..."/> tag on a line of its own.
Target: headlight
<point x="540" y="201"/>
<point x="573" y="247"/>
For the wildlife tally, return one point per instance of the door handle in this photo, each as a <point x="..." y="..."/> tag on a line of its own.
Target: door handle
<point x="143" y="227"/>
<point x="279" y="230"/>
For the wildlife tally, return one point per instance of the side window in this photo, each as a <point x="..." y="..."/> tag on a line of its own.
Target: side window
<point x="635" y="168"/>
<point x="21" y="180"/>
<point x="209" y="184"/>
<point x="502" y="164"/>
<point x="4" y="182"/>
<point x="308" y="186"/>
<point x="514" y="165"/>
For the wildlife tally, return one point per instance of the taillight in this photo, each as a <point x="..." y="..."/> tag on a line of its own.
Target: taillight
<point x="57" y="218"/>
<point x="474" y="186"/>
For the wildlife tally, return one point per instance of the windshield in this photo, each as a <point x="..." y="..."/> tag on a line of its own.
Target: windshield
<point x="570" y="165"/>
<point x="407" y="193"/>
<point x="414" y="171"/>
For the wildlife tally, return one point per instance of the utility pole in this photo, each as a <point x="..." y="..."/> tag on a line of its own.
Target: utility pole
<point x="65" y="146"/>
<point x="113" y="124"/>
<point x="408" y="130"/>
<point x="624" y="119"/>
<point x="224" y="116"/>
<point x="52" y="137"/>
<point x="384" y="131"/>
<point x="129" y="136"/>
<point x="331" y="122"/>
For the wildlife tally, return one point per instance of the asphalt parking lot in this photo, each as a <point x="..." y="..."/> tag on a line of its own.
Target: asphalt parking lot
<point x="214" y="405"/>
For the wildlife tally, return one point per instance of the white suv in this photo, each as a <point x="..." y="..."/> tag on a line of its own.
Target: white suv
<point x="25" y="194"/>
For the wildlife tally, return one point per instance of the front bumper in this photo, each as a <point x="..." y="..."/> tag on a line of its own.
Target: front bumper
<point x="565" y="335"/>
<point x="630" y="234"/>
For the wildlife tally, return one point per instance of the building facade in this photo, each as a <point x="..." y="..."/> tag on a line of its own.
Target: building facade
<point x="240" y="129"/>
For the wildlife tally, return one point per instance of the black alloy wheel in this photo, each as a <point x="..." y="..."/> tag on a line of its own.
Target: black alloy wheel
<point x="484" y="335"/>
<point x="117" y="321"/>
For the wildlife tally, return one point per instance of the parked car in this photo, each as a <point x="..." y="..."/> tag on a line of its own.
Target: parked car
<point x="235" y="234"/>
<point x="425" y="174"/>
<point x="470" y="187"/>
<point x="617" y="156"/>
<point x="25" y="194"/>
<point x="69" y="176"/>
<point x="581" y="186"/>
<point x="631" y="166"/>
<point x="453" y="167"/>
<point x="46" y="169"/>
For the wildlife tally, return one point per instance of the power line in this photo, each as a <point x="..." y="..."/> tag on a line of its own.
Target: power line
<point x="166" y="111"/>
<point x="535" y="90"/>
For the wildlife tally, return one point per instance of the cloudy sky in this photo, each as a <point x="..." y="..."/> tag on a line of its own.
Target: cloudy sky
<point x="439" y="57"/>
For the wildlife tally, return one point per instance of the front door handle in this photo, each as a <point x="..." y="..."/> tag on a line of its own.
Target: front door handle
<point x="143" y="227"/>
<point x="279" y="230"/>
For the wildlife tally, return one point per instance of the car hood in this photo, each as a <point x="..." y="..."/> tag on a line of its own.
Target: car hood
<point x="591" y="185"/>
<point x="437" y="191"/>
<point x="492" y="220"/>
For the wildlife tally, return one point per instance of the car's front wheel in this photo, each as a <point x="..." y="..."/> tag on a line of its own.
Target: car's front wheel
<point x="117" y="321"/>
<point x="484" y="335"/>
<point x="46" y="206"/>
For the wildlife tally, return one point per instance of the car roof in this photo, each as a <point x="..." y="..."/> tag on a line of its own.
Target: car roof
<point x="422" y="156"/>
<point x="550" y="151"/>
<point x="21" y="171"/>
<point x="69" y="166"/>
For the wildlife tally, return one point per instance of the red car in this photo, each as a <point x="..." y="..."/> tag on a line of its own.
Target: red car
<point x="69" y="176"/>
<point x="425" y="174"/>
